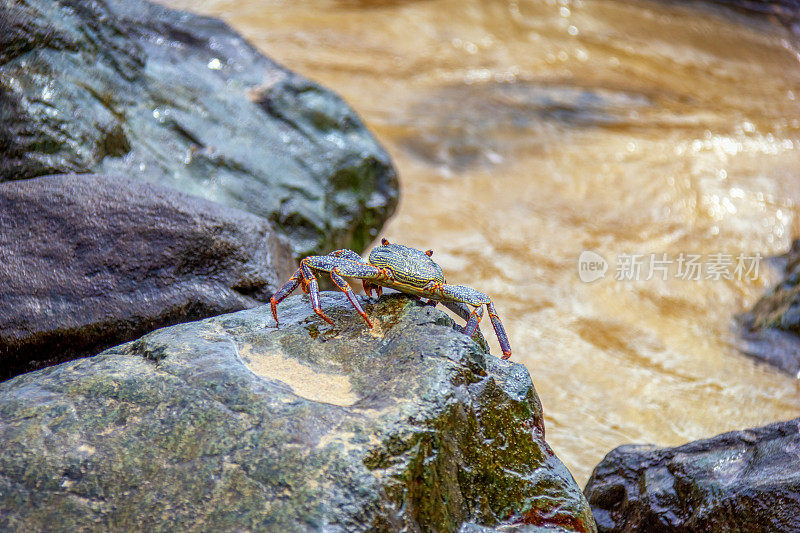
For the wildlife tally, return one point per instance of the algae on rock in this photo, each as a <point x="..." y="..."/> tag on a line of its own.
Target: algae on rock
<point x="234" y="423"/>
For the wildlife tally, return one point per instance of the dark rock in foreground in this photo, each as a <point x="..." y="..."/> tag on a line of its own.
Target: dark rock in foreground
<point x="739" y="481"/>
<point x="770" y="331"/>
<point x="129" y="87"/>
<point x="233" y="424"/>
<point x="88" y="262"/>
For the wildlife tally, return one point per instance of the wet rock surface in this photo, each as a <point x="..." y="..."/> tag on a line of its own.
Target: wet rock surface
<point x="232" y="423"/>
<point x="125" y="86"/>
<point x="91" y="261"/>
<point x="739" y="481"/>
<point x="770" y="331"/>
<point x="785" y="12"/>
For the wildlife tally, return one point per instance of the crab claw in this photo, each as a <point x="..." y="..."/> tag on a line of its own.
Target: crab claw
<point x="369" y="287"/>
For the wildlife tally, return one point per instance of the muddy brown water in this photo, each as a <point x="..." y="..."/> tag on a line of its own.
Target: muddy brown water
<point x="528" y="131"/>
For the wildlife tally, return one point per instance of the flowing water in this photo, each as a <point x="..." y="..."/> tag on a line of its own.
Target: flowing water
<point x="528" y="131"/>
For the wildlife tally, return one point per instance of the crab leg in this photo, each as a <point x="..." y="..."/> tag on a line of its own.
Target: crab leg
<point x="313" y="290"/>
<point x="283" y="292"/>
<point x="369" y="287"/>
<point x="349" y="255"/>
<point x="345" y="287"/>
<point x="348" y="263"/>
<point x="473" y="317"/>
<point x="474" y="320"/>
<point x="500" y="331"/>
<point x="458" y="308"/>
<point x="468" y="295"/>
<point x="347" y="266"/>
<point x="462" y="310"/>
<point x="338" y="263"/>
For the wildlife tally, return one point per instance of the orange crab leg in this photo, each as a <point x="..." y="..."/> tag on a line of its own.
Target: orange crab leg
<point x="399" y="267"/>
<point x="474" y="320"/>
<point x="469" y="296"/>
<point x="369" y="287"/>
<point x="340" y="282"/>
<point x="500" y="331"/>
<point x="313" y="290"/>
<point x="284" y="291"/>
<point x="345" y="263"/>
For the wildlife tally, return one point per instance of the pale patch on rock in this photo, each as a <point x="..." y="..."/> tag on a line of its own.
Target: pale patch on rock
<point x="86" y="449"/>
<point x="305" y="381"/>
<point x="377" y="329"/>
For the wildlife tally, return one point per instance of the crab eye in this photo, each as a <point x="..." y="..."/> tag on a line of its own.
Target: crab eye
<point x="384" y="242"/>
<point x="429" y="252"/>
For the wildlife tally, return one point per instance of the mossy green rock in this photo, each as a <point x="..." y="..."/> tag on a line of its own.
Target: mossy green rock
<point x="234" y="423"/>
<point x="132" y="88"/>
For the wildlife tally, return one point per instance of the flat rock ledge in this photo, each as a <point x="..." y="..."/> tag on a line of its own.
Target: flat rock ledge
<point x="739" y="481"/>
<point x="232" y="423"/>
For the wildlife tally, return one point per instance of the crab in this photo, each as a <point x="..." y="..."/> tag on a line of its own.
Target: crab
<point x="398" y="267"/>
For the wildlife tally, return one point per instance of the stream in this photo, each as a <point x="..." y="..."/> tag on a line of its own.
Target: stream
<point x="663" y="138"/>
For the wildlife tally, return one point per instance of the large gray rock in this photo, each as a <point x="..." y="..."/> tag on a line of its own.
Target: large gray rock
<point x="129" y="87"/>
<point x="88" y="262"/>
<point x="234" y="424"/>
<point x="738" y="481"/>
